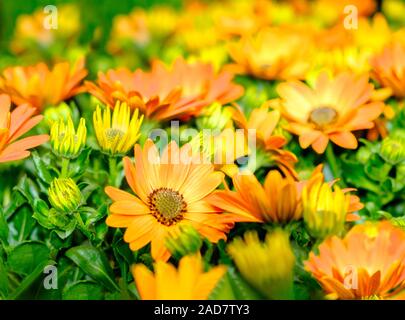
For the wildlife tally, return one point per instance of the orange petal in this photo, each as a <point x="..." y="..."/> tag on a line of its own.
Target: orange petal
<point x="26" y="143"/>
<point x="344" y="139"/>
<point x="117" y="194"/>
<point x="129" y="207"/>
<point x="320" y="144"/>
<point x="139" y="226"/>
<point x="145" y="282"/>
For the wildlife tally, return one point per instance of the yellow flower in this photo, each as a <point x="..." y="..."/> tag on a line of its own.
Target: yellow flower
<point x="223" y="149"/>
<point x="264" y="122"/>
<point x="336" y="60"/>
<point x="117" y="134"/>
<point x="324" y="209"/>
<point x="394" y="9"/>
<point x="214" y="117"/>
<point x="65" y="140"/>
<point x="259" y="57"/>
<point x="188" y="282"/>
<point x="267" y="266"/>
<point x="29" y="29"/>
<point x="64" y="195"/>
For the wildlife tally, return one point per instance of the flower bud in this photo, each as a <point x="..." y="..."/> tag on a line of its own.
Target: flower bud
<point x="184" y="241"/>
<point x="65" y="140"/>
<point x="215" y="117"/>
<point x="393" y="149"/>
<point x="324" y="210"/>
<point x="62" y="111"/>
<point x="64" y="195"/>
<point x="267" y="266"/>
<point x="117" y="132"/>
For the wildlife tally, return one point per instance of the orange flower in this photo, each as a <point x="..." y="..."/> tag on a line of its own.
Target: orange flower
<point x="12" y="126"/>
<point x="368" y="263"/>
<point x="189" y="282"/>
<point x="39" y="86"/>
<point x="272" y="54"/>
<point x="169" y="193"/>
<point x="264" y="122"/>
<point x="162" y="93"/>
<point x="389" y="69"/>
<point x="29" y="29"/>
<point x="332" y="10"/>
<point x="332" y="109"/>
<point x="277" y="200"/>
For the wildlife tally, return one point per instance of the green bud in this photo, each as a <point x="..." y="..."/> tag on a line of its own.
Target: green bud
<point x="363" y="154"/>
<point x="393" y="149"/>
<point x="62" y="111"/>
<point x="64" y="195"/>
<point x="185" y="241"/>
<point x="65" y="140"/>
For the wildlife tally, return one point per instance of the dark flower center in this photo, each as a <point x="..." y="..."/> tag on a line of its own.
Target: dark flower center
<point x="323" y="116"/>
<point x="167" y="205"/>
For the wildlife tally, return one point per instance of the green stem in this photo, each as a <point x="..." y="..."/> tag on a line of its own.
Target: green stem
<point x="112" y="161"/>
<point x="65" y="168"/>
<point x="330" y="156"/>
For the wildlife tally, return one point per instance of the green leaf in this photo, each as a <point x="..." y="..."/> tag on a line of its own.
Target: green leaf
<point x="355" y="175"/>
<point x="79" y="166"/>
<point x="67" y="229"/>
<point x="94" y="263"/>
<point x="41" y="213"/>
<point x="24" y="258"/>
<point x="233" y="287"/>
<point x="376" y="169"/>
<point x="87" y="189"/>
<point x="91" y="215"/>
<point x="3" y="228"/>
<point x="42" y="168"/>
<point x="30" y="279"/>
<point x="83" y="290"/>
<point x="28" y="189"/>
<point x="17" y="200"/>
<point x="22" y="223"/>
<point x="3" y="280"/>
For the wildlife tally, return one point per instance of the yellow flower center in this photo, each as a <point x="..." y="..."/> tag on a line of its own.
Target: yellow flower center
<point x="323" y="116"/>
<point x="167" y="205"/>
<point x="113" y="134"/>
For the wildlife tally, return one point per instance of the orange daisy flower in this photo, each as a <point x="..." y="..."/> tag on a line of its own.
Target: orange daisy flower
<point x="169" y="192"/>
<point x="389" y="69"/>
<point x="188" y="282"/>
<point x="261" y="58"/>
<point x="163" y="93"/>
<point x="332" y="10"/>
<point x="331" y="110"/>
<point x="264" y="122"/>
<point x="39" y="86"/>
<point x="12" y="126"/>
<point x="368" y="263"/>
<point x="278" y="200"/>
